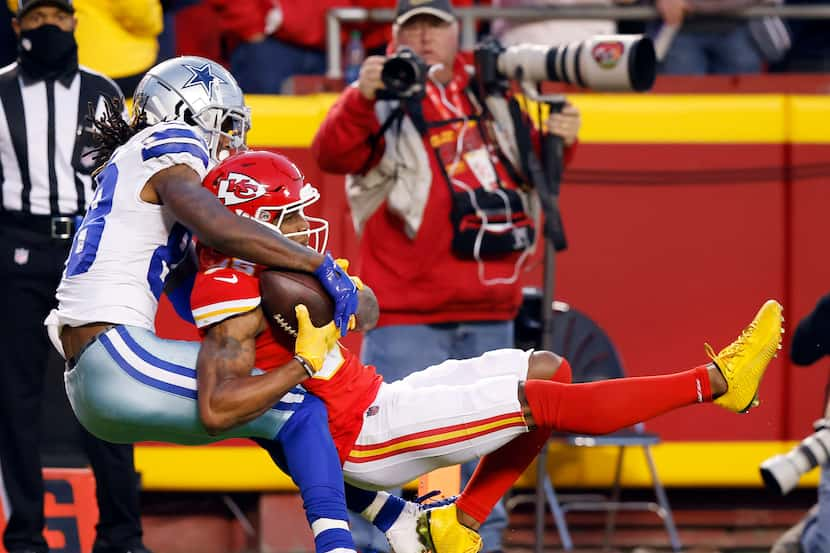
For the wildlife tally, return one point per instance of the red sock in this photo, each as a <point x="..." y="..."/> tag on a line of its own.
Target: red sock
<point x="595" y="408"/>
<point x="610" y="405"/>
<point x="498" y="471"/>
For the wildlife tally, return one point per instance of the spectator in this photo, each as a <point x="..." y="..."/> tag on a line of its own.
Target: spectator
<point x="276" y="39"/>
<point x="288" y="38"/>
<point x="708" y="42"/>
<point x="118" y="39"/>
<point x="399" y="188"/>
<point x="199" y="33"/>
<point x="46" y="186"/>
<point x="810" y="52"/>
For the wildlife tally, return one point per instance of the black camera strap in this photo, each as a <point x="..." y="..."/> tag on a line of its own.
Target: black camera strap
<point x="407" y="106"/>
<point x="515" y="174"/>
<point x="395" y="116"/>
<point x="521" y="128"/>
<point x="539" y="178"/>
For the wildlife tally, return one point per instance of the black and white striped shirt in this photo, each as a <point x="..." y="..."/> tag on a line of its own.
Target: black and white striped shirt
<point x="45" y="140"/>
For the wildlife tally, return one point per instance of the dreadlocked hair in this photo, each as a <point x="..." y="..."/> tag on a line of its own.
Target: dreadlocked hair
<point x="111" y="130"/>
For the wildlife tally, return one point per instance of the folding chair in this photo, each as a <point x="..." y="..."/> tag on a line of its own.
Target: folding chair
<point x="593" y="357"/>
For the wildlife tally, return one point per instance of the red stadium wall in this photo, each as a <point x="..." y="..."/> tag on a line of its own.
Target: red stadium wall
<point x="683" y="214"/>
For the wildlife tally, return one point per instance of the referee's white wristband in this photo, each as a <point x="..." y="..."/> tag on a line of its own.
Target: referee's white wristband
<point x="305" y="364"/>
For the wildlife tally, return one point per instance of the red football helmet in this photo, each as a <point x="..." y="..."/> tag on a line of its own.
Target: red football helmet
<point x="267" y="187"/>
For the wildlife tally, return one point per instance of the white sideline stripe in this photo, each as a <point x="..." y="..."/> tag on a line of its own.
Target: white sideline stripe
<point x="322" y="524"/>
<point x="340" y="550"/>
<point x="145" y="368"/>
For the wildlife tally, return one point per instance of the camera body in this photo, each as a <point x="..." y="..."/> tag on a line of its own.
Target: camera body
<point x="404" y="75"/>
<point x="781" y="473"/>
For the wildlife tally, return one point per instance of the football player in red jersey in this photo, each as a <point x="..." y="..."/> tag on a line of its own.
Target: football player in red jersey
<point x="502" y="405"/>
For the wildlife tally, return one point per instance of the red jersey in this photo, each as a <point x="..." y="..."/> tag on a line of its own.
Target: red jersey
<point x="345" y="385"/>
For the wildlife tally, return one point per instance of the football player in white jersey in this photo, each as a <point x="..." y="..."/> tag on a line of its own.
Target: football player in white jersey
<point x="125" y="384"/>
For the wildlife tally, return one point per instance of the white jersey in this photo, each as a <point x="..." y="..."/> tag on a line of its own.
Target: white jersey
<point x="125" y="247"/>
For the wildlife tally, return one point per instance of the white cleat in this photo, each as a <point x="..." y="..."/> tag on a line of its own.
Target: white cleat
<point x="403" y="535"/>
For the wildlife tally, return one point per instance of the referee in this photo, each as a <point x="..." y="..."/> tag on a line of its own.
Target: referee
<point x="46" y="185"/>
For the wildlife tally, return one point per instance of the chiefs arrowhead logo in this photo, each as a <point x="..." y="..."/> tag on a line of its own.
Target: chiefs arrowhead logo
<point x="238" y="188"/>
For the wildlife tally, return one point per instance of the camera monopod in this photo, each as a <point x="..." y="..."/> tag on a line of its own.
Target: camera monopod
<point x="545" y="175"/>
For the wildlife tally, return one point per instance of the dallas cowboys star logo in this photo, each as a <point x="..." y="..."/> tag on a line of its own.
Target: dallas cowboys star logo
<point x="202" y="76"/>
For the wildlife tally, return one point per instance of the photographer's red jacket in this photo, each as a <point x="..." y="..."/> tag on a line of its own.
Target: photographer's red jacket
<point x="419" y="281"/>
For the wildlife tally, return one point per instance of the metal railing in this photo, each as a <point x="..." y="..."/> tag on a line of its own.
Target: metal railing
<point x="469" y="17"/>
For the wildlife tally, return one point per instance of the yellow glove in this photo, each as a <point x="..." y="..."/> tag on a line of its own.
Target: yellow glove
<point x="313" y="343"/>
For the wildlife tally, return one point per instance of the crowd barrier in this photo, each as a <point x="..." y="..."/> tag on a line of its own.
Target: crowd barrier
<point x="683" y="213"/>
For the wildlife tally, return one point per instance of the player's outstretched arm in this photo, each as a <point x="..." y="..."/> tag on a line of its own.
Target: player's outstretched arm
<point x="180" y="189"/>
<point x="228" y="394"/>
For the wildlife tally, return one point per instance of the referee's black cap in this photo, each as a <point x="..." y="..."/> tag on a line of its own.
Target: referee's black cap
<point x="24" y="6"/>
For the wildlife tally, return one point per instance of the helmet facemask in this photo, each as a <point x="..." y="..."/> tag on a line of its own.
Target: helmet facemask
<point x="225" y="129"/>
<point x="317" y="230"/>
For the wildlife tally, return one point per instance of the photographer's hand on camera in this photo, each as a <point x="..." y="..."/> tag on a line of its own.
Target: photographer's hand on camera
<point x="566" y="123"/>
<point x="368" y="80"/>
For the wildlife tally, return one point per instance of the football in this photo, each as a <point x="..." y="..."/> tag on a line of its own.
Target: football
<point x="281" y="291"/>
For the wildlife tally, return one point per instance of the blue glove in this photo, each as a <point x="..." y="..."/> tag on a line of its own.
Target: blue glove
<point x="341" y="289"/>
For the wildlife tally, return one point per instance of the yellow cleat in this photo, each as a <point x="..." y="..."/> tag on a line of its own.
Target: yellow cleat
<point x="441" y="532"/>
<point x="743" y="362"/>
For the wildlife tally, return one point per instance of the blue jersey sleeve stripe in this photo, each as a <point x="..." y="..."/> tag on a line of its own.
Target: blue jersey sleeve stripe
<point x="174" y="133"/>
<point x="176" y="148"/>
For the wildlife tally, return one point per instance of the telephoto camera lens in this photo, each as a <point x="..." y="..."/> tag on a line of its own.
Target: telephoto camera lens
<point x="603" y="63"/>
<point x="781" y="473"/>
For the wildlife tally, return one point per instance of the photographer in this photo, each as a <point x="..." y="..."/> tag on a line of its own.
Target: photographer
<point x="811" y="342"/>
<point x="408" y="176"/>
